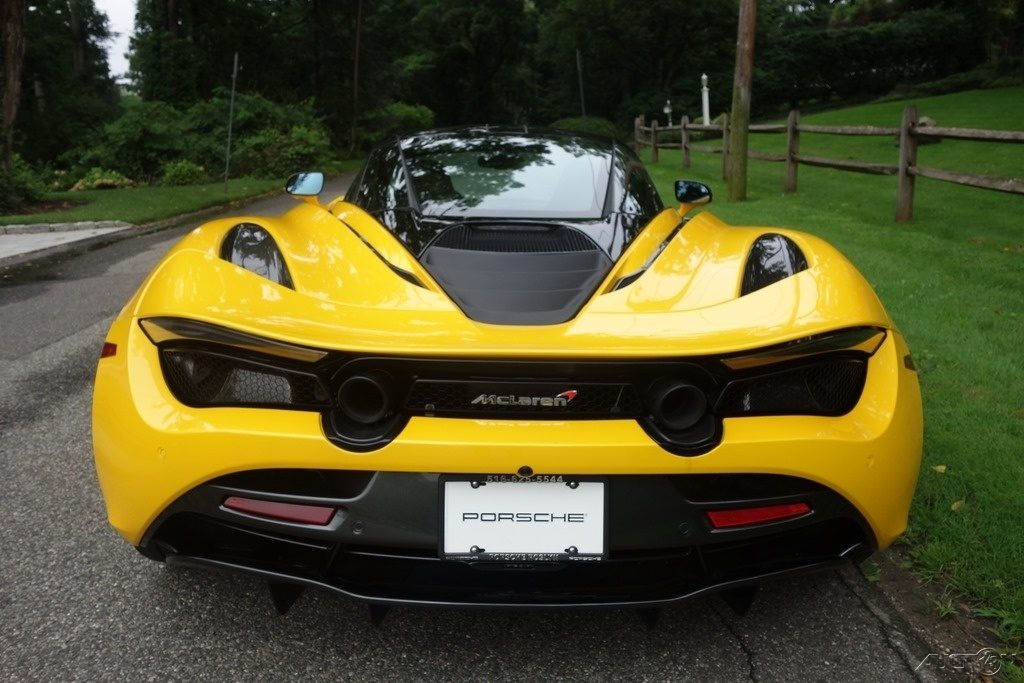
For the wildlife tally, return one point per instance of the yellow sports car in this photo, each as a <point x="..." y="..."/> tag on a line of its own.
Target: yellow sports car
<point x="499" y="371"/>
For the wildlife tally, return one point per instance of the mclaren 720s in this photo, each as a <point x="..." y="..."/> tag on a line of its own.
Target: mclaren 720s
<point x="499" y="371"/>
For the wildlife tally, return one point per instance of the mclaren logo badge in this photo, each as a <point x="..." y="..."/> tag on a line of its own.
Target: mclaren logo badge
<point x="559" y="401"/>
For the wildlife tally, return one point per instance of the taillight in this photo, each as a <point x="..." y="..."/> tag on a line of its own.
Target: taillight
<point x="726" y="519"/>
<point x="109" y="349"/>
<point x="319" y="515"/>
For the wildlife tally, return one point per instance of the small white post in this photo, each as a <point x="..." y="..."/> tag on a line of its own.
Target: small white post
<point x="668" y="111"/>
<point x="704" y="99"/>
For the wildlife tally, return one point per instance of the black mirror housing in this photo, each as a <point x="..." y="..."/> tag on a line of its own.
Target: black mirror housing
<point x="305" y="184"/>
<point x="692" y="192"/>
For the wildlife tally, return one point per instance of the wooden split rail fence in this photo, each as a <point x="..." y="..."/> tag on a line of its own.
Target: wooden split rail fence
<point x="906" y="169"/>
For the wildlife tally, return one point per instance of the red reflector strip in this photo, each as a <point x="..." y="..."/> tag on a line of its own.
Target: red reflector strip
<point x="109" y="349"/>
<point x="288" y="512"/>
<point x="722" y="519"/>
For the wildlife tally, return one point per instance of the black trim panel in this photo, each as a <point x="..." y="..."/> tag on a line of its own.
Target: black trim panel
<point x="382" y="545"/>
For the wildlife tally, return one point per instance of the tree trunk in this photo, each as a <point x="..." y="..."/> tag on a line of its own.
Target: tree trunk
<point x="77" y="37"/>
<point x="40" y="93"/>
<point x="171" y="7"/>
<point x="740" y="117"/>
<point x="12" y="24"/>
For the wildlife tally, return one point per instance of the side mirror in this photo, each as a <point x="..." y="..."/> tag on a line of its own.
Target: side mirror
<point x="307" y="184"/>
<point x="692" y="193"/>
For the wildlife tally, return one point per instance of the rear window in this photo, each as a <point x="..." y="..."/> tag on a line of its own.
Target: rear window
<point x="508" y="176"/>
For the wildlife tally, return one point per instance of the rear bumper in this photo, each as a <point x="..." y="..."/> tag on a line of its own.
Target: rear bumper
<point x="382" y="544"/>
<point x="151" y="450"/>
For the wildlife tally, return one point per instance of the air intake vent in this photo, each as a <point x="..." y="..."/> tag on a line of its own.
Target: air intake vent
<point x="515" y="239"/>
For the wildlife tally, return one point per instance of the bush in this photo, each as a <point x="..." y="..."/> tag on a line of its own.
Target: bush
<point x="269" y="139"/>
<point x="137" y="144"/>
<point x="22" y="187"/>
<point x="396" y="118"/>
<point x="183" y="172"/>
<point x="206" y="125"/>
<point x="101" y="179"/>
<point x="58" y="180"/>
<point x="271" y="154"/>
<point x="592" y="125"/>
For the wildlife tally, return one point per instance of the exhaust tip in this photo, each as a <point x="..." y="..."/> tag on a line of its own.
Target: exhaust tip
<point x="676" y="404"/>
<point x="365" y="398"/>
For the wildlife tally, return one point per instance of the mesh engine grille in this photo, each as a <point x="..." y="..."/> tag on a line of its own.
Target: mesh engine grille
<point x="540" y="398"/>
<point x="831" y="387"/>
<point x="204" y="379"/>
<point x="514" y="239"/>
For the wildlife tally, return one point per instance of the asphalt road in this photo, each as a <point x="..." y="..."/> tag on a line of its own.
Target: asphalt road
<point x="77" y="602"/>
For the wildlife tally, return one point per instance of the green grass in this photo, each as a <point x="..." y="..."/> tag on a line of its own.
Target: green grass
<point x="953" y="279"/>
<point x="146" y="204"/>
<point x="143" y="204"/>
<point x="343" y="166"/>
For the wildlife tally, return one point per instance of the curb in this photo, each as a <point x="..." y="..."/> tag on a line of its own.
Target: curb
<point x="40" y="228"/>
<point x="29" y="258"/>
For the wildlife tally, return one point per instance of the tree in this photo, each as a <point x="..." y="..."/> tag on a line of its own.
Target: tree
<point x="67" y="91"/>
<point x="12" y="23"/>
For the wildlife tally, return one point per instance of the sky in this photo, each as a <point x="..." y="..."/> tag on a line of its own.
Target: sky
<point x="121" y="14"/>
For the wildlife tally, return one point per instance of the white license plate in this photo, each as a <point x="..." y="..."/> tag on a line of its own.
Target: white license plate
<point x="523" y="521"/>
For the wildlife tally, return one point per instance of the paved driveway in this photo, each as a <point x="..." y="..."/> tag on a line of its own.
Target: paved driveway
<point x="76" y="602"/>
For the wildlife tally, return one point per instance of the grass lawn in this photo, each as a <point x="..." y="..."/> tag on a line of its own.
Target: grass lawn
<point x="145" y="204"/>
<point x="953" y="279"/>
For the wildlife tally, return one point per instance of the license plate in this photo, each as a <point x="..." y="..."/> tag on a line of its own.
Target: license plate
<point x="523" y="521"/>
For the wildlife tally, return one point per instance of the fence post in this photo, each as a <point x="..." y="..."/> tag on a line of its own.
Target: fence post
<point x="654" y="141"/>
<point x="908" y="158"/>
<point x="725" y="146"/>
<point x="684" y="140"/>
<point x="792" y="148"/>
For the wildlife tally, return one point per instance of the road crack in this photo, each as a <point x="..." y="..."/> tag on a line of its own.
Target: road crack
<point x="882" y="621"/>
<point x="751" y="672"/>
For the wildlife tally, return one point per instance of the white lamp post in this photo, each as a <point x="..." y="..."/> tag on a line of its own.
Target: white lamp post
<point x="704" y="99"/>
<point x="667" y="111"/>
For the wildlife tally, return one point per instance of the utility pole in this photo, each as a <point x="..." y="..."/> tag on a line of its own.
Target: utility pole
<point x="739" y="120"/>
<point x="231" y="120"/>
<point x="579" y="75"/>
<point x="355" y="77"/>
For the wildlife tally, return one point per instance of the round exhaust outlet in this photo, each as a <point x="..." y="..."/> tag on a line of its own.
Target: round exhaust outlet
<point x="365" y="398"/>
<point x="676" y="404"/>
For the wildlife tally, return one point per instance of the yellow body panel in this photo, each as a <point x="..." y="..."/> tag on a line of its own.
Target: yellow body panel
<point x="347" y="298"/>
<point x="150" y="449"/>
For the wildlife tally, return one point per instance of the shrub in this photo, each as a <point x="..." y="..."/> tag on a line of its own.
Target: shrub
<point x="22" y="187"/>
<point x="206" y="124"/>
<point x="592" y="125"/>
<point x="137" y="144"/>
<point x="101" y="179"/>
<point x="58" y="180"/>
<point x="396" y="118"/>
<point x="272" y="154"/>
<point x="269" y="139"/>
<point x="183" y="172"/>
